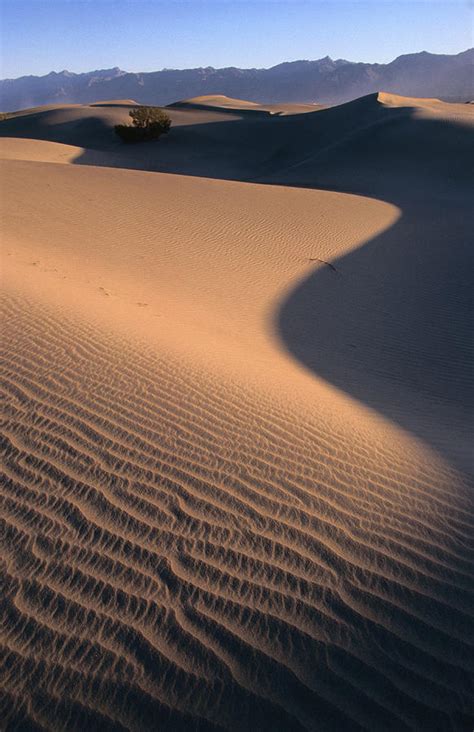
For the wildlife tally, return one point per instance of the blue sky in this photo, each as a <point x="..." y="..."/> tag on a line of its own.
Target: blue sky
<point x="39" y="36"/>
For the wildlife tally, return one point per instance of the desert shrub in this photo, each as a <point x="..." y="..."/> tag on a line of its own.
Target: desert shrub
<point x="127" y="133"/>
<point x="148" y="123"/>
<point x="148" y="116"/>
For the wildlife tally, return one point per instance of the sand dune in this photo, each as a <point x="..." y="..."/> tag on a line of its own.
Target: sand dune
<point x="221" y="102"/>
<point x="115" y="103"/>
<point x="13" y="148"/>
<point x="203" y="139"/>
<point x="218" y="100"/>
<point x="236" y="483"/>
<point x="237" y="145"/>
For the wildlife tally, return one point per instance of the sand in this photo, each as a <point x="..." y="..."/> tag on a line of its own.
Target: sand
<point x="237" y="389"/>
<point x="220" y="102"/>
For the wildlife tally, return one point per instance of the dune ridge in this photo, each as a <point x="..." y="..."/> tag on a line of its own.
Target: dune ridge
<point x="199" y="529"/>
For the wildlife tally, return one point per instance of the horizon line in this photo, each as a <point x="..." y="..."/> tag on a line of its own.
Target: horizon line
<point x="223" y="68"/>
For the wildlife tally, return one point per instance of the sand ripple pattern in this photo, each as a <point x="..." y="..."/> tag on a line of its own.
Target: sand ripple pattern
<point x="177" y="556"/>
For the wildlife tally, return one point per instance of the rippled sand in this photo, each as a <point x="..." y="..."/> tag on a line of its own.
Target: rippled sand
<point x="223" y="505"/>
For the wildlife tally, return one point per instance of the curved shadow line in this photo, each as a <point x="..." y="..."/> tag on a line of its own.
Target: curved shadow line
<point x="394" y="329"/>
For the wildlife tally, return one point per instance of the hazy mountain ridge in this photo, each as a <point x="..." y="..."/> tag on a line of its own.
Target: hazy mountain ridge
<point x="324" y="80"/>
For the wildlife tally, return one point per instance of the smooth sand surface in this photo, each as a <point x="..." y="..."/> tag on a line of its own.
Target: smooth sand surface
<point x="218" y="100"/>
<point x="237" y="390"/>
<point x="115" y="103"/>
<point x="221" y="102"/>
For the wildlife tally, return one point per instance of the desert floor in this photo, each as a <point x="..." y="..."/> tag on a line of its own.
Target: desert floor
<point x="237" y="402"/>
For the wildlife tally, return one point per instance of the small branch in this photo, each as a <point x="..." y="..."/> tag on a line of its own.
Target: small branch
<point x="323" y="261"/>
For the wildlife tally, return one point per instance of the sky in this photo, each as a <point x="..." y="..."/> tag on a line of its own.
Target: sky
<point x="39" y="36"/>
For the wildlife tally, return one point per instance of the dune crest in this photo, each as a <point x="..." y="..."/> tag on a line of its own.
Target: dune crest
<point x="115" y="103"/>
<point x="219" y="100"/>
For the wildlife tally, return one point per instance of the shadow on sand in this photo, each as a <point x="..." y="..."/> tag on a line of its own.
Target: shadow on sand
<point x="391" y="322"/>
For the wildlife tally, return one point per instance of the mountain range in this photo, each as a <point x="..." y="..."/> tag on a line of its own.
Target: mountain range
<point x="326" y="81"/>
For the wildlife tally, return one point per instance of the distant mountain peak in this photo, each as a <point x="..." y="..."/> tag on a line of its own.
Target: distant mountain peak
<point x="64" y="72"/>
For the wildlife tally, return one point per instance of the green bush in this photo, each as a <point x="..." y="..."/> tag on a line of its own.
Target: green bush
<point x="148" y="123"/>
<point x="127" y="133"/>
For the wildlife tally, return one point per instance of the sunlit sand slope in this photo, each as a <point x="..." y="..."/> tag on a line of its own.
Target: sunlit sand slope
<point x="199" y="529"/>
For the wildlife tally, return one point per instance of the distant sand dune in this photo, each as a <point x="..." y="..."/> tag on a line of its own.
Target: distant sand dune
<point x="236" y="490"/>
<point x="221" y="102"/>
<point x="115" y="103"/>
